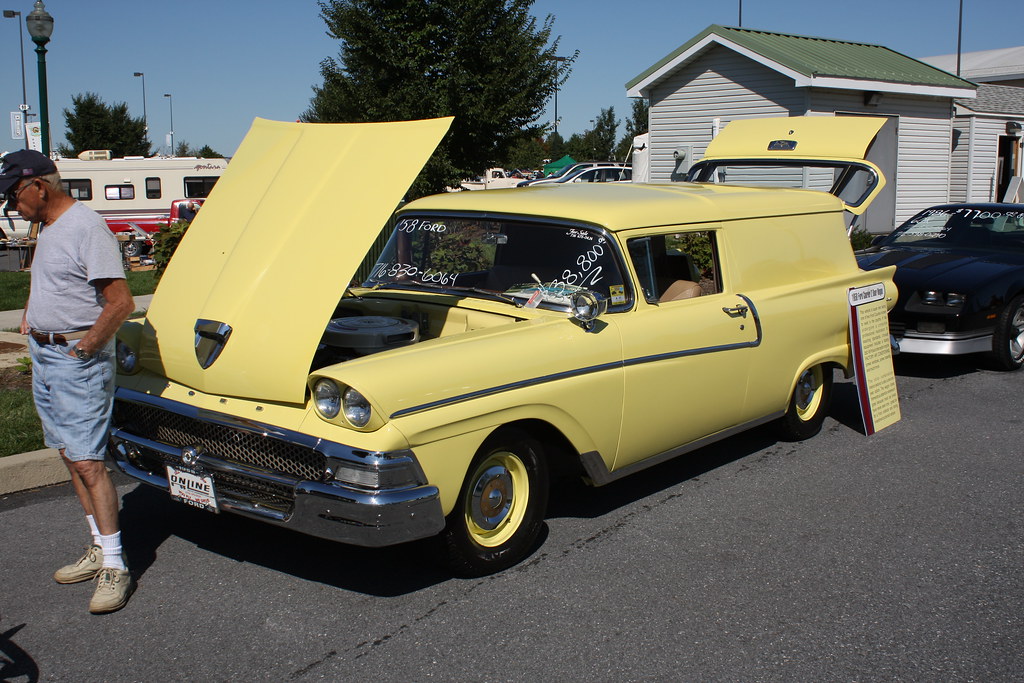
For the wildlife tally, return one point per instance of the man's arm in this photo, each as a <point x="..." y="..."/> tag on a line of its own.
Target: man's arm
<point x="119" y="306"/>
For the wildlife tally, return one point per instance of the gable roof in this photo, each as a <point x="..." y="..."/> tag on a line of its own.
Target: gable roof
<point x="996" y="99"/>
<point x="814" y="62"/>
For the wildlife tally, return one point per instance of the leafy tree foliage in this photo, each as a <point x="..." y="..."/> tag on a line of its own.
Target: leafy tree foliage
<point x="93" y="124"/>
<point x="597" y="143"/>
<point x="487" y="62"/>
<point x="556" y="146"/>
<point x="183" y="149"/>
<point x="528" y="154"/>
<point x="637" y="124"/>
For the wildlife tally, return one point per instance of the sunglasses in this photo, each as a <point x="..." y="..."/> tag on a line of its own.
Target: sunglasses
<point x="12" y="196"/>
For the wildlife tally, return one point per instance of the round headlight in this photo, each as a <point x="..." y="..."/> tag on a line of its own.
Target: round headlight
<point x="932" y="298"/>
<point x="357" y="408"/>
<point x="327" y="398"/>
<point x="127" y="361"/>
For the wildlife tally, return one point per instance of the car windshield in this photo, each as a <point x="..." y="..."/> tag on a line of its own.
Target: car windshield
<point x="849" y="182"/>
<point x="530" y="264"/>
<point x="962" y="227"/>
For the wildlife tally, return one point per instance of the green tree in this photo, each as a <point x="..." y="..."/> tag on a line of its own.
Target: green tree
<point x="183" y="149"/>
<point x="637" y="124"/>
<point x="529" y="153"/>
<point x="486" y="62"/>
<point x="556" y="146"/>
<point x="93" y="124"/>
<point x="597" y="143"/>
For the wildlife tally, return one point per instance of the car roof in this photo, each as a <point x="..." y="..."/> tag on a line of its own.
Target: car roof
<point x="620" y="206"/>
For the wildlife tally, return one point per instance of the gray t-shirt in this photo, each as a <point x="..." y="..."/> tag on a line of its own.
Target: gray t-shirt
<point x="71" y="254"/>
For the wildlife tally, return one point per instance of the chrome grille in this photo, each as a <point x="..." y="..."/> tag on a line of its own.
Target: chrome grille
<point x="234" y="445"/>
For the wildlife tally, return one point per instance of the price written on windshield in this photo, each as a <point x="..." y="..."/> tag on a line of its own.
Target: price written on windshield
<point x="586" y="273"/>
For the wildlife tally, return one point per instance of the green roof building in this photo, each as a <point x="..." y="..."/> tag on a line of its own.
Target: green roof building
<point x="725" y="73"/>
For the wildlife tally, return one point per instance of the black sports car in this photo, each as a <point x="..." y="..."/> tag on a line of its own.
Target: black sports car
<point x="960" y="274"/>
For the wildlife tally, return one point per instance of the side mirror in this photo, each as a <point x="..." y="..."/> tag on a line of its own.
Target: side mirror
<point x="588" y="307"/>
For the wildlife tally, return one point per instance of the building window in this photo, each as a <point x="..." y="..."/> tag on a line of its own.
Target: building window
<point x="116" y="192"/>
<point x="80" y="189"/>
<point x="153" y="188"/>
<point x="199" y="187"/>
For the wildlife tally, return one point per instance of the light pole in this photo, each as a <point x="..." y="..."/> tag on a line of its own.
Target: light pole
<point x="145" y="120"/>
<point x="40" y="27"/>
<point x="556" y="60"/>
<point x="11" y="14"/>
<point x="170" y="105"/>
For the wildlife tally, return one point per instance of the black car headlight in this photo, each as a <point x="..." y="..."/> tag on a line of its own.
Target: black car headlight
<point x="127" y="359"/>
<point x="948" y="299"/>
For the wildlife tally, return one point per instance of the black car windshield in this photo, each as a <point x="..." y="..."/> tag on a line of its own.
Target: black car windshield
<point x="532" y="264"/>
<point x="963" y="227"/>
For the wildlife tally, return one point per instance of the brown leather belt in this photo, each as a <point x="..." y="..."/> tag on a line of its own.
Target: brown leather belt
<point x="56" y="337"/>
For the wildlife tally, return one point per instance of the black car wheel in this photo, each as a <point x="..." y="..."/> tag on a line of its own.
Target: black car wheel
<point x="131" y="248"/>
<point x="808" y="405"/>
<point x="500" y="511"/>
<point x="1008" y="339"/>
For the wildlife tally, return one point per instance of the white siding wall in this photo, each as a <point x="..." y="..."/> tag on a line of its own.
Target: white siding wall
<point x="960" y="159"/>
<point x="977" y="154"/>
<point x="925" y="138"/>
<point x="720" y="84"/>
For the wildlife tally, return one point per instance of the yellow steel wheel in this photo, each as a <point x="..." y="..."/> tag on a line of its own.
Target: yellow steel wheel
<point x="495" y="501"/>
<point x="807" y="397"/>
<point x="499" y="515"/>
<point x="809" y="404"/>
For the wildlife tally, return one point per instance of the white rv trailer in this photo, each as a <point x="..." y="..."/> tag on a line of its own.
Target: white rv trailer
<point x="133" y="194"/>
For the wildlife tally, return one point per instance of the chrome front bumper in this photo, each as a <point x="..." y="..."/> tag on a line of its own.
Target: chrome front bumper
<point x="946" y="344"/>
<point x="327" y="508"/>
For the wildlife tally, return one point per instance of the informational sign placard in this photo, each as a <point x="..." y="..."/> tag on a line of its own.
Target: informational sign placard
<point x="872" y="358"/>
<point x="17" y="125"/>
<point x="35" y="135"/>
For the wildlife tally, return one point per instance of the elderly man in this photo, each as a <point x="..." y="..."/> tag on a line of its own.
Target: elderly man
<point x="78" y="299"/>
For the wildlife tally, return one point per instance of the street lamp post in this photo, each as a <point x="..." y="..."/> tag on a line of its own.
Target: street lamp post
<point x="556" y="60"/>
<point x="145" y="120"/>
<point x="40" y="27"/>
<point x="170" y="105"/>
<point x="11" y="14"/>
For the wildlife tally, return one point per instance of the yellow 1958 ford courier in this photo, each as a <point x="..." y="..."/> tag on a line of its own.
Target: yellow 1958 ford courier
<point x="598" y="327"/>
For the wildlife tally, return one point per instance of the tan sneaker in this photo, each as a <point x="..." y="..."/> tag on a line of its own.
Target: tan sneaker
<point x="113" y="588"/>
<point x="83" y="569"/>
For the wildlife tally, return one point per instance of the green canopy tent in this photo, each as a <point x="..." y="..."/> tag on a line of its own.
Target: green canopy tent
<point x="556" y="166"/>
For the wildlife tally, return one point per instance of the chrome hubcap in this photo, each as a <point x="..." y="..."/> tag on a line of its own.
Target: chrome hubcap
<point x="805" y="389"/>
<point x="492" y="497"/>
<point x="1017" y="335"/>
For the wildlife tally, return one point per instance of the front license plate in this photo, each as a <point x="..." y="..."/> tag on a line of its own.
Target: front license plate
<point x="192" y="488"/>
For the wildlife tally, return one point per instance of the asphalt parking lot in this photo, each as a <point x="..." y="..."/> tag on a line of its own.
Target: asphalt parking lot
<point x="844" y="558"/>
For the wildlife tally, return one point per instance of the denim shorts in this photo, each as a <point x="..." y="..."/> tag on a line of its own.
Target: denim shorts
<point x="74" y="398"/>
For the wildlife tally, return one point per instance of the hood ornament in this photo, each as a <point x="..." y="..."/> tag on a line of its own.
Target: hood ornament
<point x="211" y="336"/>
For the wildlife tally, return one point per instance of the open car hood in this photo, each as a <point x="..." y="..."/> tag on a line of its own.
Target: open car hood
<point x="832" y="145"/>
<point x="246" y="298"/>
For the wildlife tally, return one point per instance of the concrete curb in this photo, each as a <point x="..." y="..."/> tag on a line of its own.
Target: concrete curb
<point x="32" y="470"/>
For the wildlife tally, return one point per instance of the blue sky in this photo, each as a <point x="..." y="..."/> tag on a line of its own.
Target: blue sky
<point x="227" y="61"/>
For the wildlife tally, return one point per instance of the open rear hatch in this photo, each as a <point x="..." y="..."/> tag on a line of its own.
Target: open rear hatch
<point x="826" y="153"/>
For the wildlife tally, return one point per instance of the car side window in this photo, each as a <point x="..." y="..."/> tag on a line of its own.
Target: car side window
<point x="676" y="266"/>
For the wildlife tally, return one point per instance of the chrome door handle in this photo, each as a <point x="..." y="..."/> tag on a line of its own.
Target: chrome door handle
<point x="736" y="311"/>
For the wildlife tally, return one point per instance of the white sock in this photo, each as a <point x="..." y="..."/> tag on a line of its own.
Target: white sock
<point x="112" y="551"/>
<point x="94" y="529"/>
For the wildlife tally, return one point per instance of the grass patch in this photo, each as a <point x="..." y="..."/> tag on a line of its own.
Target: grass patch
<point x="20" y="431"/>
<point x="14" y="286"/>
